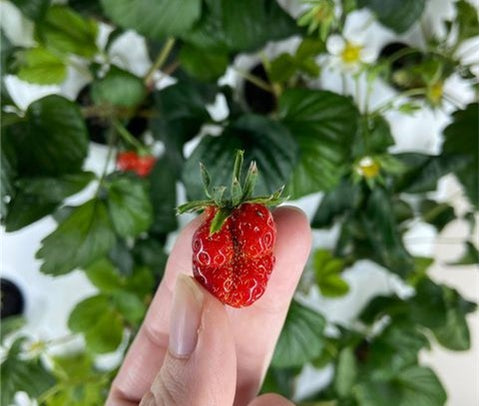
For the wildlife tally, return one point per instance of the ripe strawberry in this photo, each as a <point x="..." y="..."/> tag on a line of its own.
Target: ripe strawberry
<point x="233" y="247"/>
<point x="142" y="165"/>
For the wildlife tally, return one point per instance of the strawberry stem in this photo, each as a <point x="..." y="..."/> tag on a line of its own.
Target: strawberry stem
<point x="250" y="180"/>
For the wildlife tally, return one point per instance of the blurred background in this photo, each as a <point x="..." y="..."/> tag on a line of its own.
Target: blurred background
<point x="367" y="111"/>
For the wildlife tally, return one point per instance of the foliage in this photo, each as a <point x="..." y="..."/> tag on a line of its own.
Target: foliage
<point x="312" y="140"/>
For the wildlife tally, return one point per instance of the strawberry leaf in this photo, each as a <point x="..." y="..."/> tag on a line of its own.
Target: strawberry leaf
<point x="219" y="219"/>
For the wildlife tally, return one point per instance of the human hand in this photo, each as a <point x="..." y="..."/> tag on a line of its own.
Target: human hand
<point x="193" y="351"/>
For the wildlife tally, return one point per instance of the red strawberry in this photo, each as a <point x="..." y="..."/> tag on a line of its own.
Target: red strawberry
<point x="233" y="248"/>
<point x="142" y="165"/>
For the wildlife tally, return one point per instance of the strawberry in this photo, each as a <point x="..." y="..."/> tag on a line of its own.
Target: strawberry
<point x="142" y="165"/>
<point x="233" y="247"/>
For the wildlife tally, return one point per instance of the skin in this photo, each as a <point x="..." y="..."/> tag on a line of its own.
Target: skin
<point x="234" y="346"/>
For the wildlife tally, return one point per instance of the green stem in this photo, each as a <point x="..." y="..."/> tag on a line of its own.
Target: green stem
<point x="161" y="59"/>
<point x="388" y="104"/>
<point x="127" y="136"/>
<point x="255" y="80"/>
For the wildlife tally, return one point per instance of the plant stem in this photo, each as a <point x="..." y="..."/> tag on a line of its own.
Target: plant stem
<point x="126" y="135"/>
<point x="255" y="80"/>
<point x="161" y="58"/>
<point x="388" y="104"/>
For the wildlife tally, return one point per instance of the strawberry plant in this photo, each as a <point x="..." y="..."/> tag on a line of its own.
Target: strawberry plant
<point x="363" y="110"/>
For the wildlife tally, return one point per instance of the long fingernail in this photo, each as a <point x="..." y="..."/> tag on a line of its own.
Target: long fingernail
<point x="185" y="317"/>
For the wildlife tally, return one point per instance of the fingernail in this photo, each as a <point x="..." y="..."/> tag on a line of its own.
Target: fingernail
<point x="185" y="317"/>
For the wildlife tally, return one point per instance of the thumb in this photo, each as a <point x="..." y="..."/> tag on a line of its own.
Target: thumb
<point x="200" y="365"/>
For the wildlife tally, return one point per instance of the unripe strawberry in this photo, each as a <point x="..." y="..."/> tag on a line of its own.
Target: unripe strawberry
<point x="233" y="247"/>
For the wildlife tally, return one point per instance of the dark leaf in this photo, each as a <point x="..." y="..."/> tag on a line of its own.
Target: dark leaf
<point x="182" y="113"/>
<point x="455" y="334"/>
<point x="97" y="318"/>
<point x="382" y="232"/>
<point x="153" y="18"/>
<point x="345" y="197"/>
<point x="63" y="30"/>
<point x="461" y="141"/>
<point x="163" y="197"/>
<point x="38" y="197"/>
<point x="399" y="15"/>
<point x="33" y="9"/>
<point x="83" y="237"/>
<point x="203" y="65"/>
<point x="265" y="141"/>
<point x="52" y="140"/>
<point x="414" y="385"/>
<point x="437" y="214"/>
<point x="240" y="26"/>
<point x="323" y="123"/>
<point x="29" y="376"/>
<point x="301" y="339"/>
<point x="129" y="206"/>
<point x="118" y="88"/>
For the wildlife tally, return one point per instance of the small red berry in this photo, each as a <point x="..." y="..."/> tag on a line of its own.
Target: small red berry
<point x="233" y="247"/>
<point x="235" y="263"/>
<point x="142" y="165"/>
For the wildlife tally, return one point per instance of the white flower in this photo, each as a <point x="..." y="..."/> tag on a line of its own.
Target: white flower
<point x="355" y="46"/>
<point x="22" y="399"/>
<point x="348" y="54"/>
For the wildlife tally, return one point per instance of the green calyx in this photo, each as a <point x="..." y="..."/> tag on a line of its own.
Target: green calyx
<point x="240" y="192"/>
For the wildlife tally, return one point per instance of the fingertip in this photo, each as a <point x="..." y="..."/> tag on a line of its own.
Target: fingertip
<point x="271" y="399"/>
<point x="293" y="225"/>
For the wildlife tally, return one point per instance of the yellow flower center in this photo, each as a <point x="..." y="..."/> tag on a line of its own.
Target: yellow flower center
<point x="435" y="92"/>
<point x="351" y="53"/>
<point x="368" y="168"/>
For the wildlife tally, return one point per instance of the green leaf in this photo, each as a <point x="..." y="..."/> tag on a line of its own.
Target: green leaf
<point x="240" y="26"/>
<point x="323" y="123"/>
<point x="98" y="320"/>
<point x="455" y="334"/>
<point x="467" y="20"/>
<point x="9" y="325"/>
<point x="153" y="18"/>
<point x="129" y="306"/>
<point x="104" y="276"/>
<point x="150" y="253"/>
<point x="301" y="339"/>
<point x="83" y="237"/>
<point x="428" y="307"/>
<point x="344" y="198"/>
<point x="129" y="206"/>
<point x="118" y="88"/>
<point x="282" y="68"/>
<point x="395" y="349"/>
<point x="346" y="373"/>
<point x="265" y="141"/>
<point x="327" y="270"/>
<point x="38" y="197"/>
<point x="182" y="113"/>
<point x="29" y="376"/>
<point x="203" y="65"/>
<point x="461" y="141"/>
<point x="437" y="214"/>
<point x="38" y="65"/>
<point x="415" y="385"/>
<point x="469" y="257"/>
<point x="56" y="136"/>
<point x="33" y="9"/>
<point x="398" y="15"/>
<point x="424" y="171"/>
<point x="374" y="137"/>
<point x="65" y="31"/>
<point x="163" y="196"/>
<point x="379" y="222"/>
